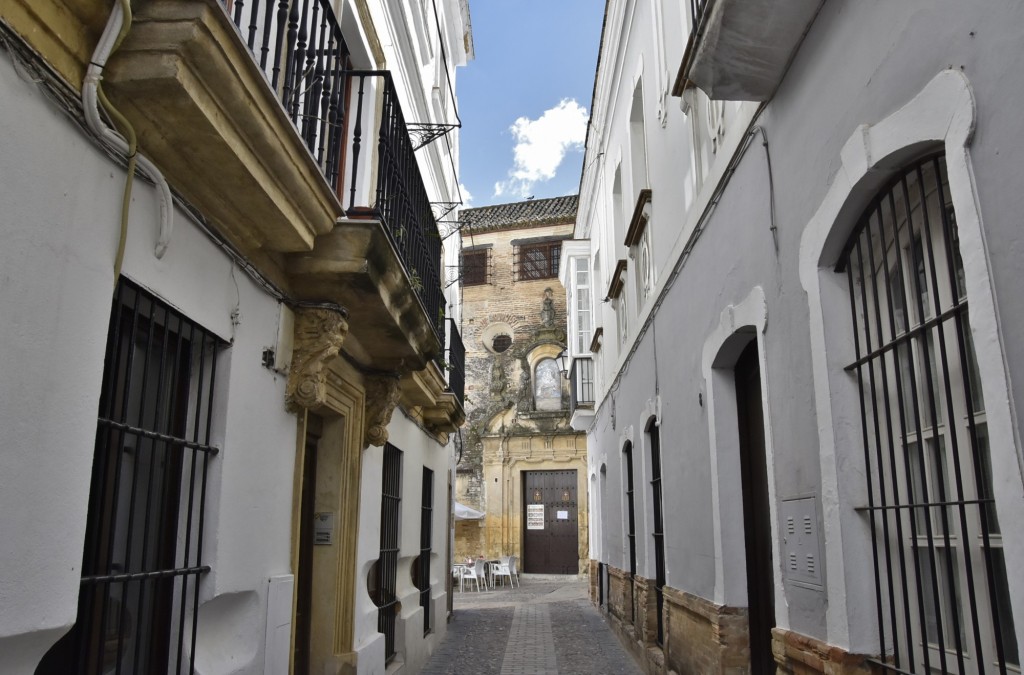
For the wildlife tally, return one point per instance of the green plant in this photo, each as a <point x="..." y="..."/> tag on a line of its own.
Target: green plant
<point x="415" y="281"/>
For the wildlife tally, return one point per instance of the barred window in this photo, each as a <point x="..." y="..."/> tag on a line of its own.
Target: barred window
<point x="476" y="267"/>
<point x="384" y="575"/>
<point x="143" y="554"/>
<point x="939" y="570"/>
<point x="537" y="261"/>
<point x="421" y="566"/>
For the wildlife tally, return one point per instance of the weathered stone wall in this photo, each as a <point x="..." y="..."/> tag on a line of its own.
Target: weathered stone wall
<point x="504" y="430"/>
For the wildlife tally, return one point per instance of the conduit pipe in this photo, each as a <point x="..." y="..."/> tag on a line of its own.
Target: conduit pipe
<point x="91" y="96"/>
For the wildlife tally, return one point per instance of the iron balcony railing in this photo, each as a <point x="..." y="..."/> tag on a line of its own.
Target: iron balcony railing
<point x="581" y="384"/>
<point x="300" y="48"/>
<point x="697" y="10"/>
<point x="456" y="362"/>
<point x="401" y="203"/>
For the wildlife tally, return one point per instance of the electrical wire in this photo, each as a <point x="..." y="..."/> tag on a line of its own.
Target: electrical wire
<point x="752" y="130"/>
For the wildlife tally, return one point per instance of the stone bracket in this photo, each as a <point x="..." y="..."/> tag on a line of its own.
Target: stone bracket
<point x="319" y="334"/>
<point x="382" y="395"/>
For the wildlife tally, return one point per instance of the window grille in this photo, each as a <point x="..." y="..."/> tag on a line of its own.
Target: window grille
<point x="426" y="534"/>
<point x="940" y="578"/>
<point x="143" y="554"/>
<point x="476" y="267"/>
<point x="659" y="526"/>
<point x="385" y="594"/>
<point x="537" y="261"/>
<point x="627" y="460"/>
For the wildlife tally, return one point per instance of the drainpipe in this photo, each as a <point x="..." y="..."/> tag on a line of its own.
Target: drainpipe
<point x="118" y="25"/>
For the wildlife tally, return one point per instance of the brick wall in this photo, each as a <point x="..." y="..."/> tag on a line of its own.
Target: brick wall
<point x="705" y="638"/>
<point x="798" y="654"/>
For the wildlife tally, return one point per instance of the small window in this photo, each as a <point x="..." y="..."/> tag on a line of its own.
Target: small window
<point x="501" y="343"/>
<point x="538" y="261"/>
<point x="476" y="267"/>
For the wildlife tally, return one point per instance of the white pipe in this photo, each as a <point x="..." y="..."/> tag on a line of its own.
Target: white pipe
<point x="114" y="140"/>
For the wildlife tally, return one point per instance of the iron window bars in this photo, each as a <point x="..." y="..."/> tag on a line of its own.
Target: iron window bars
<point x="426" y="534"/>
<point x="385" y="593"/>
<point x="940" y="577"/>
<point x="627" y="459"/>
<point x="476" y="267"/>
<point x="537" y="261"/>
<point x="143" y="554"/>
<point x="658" y="533"/>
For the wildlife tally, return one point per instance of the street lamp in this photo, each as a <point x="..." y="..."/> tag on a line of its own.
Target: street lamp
<point x="563" y="363"/>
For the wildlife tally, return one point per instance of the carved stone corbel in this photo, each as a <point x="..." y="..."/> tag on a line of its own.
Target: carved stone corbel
<point x="382" y="395"/>
<point x="319" y="334"/>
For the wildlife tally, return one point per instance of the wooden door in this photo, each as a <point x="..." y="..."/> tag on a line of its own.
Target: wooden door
<point x="550" y="523"/>
<point x="756" y="521"/>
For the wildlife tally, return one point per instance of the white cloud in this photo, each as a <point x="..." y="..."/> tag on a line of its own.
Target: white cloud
<point x="467" y="196"/>
<point x="541" y="145"/>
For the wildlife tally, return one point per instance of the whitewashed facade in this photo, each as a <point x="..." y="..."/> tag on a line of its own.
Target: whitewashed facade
<point x="776" y="390"/>
<point x="234" y="519"/>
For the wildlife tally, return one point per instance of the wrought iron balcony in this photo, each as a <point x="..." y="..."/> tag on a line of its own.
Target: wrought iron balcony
<point x="300" y="48"/>
<point x="581" y="384"/>
<point x="739" y="50"/>
<point x="401" y="202"/>
<point x="455" y="357"/>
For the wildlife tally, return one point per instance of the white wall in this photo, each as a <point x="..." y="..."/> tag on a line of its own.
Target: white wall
<point x="858" y="66"/>
<point x="59" y="221"/>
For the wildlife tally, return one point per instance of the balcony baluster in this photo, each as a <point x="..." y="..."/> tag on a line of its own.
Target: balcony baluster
<point x="305" y="58"/>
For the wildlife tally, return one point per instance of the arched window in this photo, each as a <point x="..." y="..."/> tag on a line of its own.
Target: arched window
<point x="627" y="461"/>
<point x="658" y="533"/>
<point x="941" y="587"/>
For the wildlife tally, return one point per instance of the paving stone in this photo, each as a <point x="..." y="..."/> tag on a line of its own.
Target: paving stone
<point x="545" y="627"/>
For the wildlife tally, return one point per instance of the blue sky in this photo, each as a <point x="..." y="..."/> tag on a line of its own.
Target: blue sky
<point x="525" y="99"/>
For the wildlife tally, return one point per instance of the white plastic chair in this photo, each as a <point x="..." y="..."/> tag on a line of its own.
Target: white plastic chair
<point x="476" y="573"/>
<point x="512" y="560"/>
<point x="457" y="571"/>
<point x="503" y="568"/>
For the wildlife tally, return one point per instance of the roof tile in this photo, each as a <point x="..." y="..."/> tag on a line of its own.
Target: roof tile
<point x="528" y="213"/>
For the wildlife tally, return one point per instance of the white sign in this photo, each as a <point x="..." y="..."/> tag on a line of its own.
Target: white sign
<point x="535" y="516"/>
<point x="563" y="515"/>
<point x="323" y="528"/>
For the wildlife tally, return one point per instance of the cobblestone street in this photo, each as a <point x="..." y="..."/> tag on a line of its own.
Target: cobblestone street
<point x="544" y="627"/>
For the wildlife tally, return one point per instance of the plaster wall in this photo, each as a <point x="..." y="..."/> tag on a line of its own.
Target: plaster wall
<point x="859" y="64"/>
<point x="418" y="451"/>
<point x="60" y="199"/>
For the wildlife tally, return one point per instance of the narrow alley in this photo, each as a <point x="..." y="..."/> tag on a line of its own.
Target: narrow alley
<point x="545" y="627"/>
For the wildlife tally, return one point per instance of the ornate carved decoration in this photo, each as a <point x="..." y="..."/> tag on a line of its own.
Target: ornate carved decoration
<point x="382" y="395"/>
<point x="319" y="334"/>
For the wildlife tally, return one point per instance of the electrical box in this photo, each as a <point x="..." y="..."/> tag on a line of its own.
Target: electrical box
<point x="801" y="542"/>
